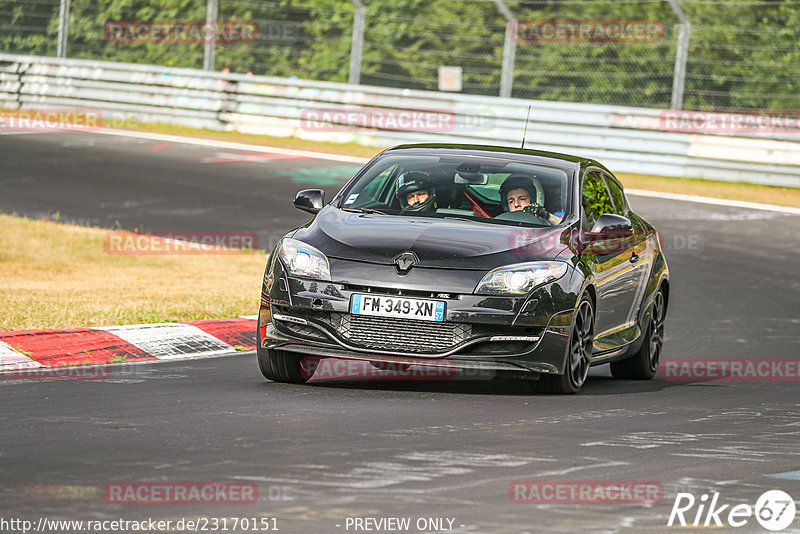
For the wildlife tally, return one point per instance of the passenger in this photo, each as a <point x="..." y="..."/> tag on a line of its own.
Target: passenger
<point x="416" y="193"/>
<point x="518" y="193"/>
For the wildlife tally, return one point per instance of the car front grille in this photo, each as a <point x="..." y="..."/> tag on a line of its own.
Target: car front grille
<point x="400" y="335"/>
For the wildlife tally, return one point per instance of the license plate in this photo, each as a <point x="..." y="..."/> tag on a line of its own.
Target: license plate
<point x="406" y="308"/>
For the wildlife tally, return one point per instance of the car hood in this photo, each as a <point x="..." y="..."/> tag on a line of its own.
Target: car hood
<point x="438" y="243"/>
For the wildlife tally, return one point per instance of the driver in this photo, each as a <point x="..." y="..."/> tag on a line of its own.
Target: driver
<point x="416" y="193"/>
<point x="518" y="193"/>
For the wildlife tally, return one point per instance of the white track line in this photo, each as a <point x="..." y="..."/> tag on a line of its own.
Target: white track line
<point x="353" y="159"/>
<point x="715" y="201"/>
<point x="232" y="146"/>
<point x="25" y="133"/>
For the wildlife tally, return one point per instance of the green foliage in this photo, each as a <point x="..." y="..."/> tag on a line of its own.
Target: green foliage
<point x="89" y="17"/>
<point x="744" y="55"/>
<point x="407" y="40"/>
<point x="29" y="28"/>
<point x="637" y="73"/>
<point x="741" y="55"/>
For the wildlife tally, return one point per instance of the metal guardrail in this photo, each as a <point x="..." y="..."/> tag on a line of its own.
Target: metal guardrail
<point x="625" y="139"/>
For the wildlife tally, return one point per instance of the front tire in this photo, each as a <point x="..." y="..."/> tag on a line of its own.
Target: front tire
<point x="282" y="366"/>
<point x="644" y="364"/>
<point x="579" y="355"/>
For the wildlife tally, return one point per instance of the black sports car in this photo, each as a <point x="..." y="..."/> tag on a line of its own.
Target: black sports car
<point x="514" y="261"/>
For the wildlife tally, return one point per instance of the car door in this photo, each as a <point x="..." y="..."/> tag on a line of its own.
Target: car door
<point x="609" y="256"/>
<point x="642" y="254"/>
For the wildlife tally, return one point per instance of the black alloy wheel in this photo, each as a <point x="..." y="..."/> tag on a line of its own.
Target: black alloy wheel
<point x="644" y="364"/>
<point x="579" y="357"/>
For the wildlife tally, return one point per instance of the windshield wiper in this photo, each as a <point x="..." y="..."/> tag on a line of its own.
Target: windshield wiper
<point x="368" y="211"/>
<point x="485" y="220"/>
<point x="457" y="218"/>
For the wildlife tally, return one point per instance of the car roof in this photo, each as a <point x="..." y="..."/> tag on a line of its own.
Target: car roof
<point x="527" y="153"/>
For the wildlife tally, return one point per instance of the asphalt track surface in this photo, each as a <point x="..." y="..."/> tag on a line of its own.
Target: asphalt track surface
<point x="329" y="451"/>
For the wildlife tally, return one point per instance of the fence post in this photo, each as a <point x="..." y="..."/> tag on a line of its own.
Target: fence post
<point x="509" y="49"/>
<point x="63" y="28"/>
<point x="681" y="55"/>
<point x="357" y="44"/>
<point x="211" y="22"/>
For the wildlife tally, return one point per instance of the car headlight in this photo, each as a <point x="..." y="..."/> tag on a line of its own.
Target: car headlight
<point x="520" y="278"/>
<point x="304" y="260"/>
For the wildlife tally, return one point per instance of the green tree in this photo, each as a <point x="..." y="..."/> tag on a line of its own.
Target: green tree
<point x="29" y="27"/>
<point x="742" y="54"/>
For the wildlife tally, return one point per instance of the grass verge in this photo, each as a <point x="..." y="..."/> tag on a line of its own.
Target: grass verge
<point x="55" y="275"/>
<point x="765" y="194"/>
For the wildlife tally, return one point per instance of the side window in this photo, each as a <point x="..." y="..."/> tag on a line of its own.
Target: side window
<point x="594" y="197"/>
<point x="617" y="196"/>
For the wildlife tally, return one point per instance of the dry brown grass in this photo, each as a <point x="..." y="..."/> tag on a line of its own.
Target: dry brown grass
<point x="59" y="275"/>
<point x="782" y="196"/>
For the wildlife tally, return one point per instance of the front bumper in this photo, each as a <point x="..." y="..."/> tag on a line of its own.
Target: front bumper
<point x="527" y="334"/>
<point x="546" y="355"/>
<point x="446" y="367"/>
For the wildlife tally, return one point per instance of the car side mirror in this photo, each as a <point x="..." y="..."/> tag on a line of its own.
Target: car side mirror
<point x="310" y="200"/>
<point x="606" y="235"/>
<point x="613" y="225"/>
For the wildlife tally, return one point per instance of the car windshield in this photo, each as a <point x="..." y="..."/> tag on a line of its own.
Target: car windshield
<point x="485" y="189"/>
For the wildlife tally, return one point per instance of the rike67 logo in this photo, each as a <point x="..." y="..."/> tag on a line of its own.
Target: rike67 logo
<point x="774" y="510"/>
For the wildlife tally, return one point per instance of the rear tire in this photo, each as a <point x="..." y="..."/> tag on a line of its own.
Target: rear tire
<point x="579" y="354"/>
<point x="644" y="364"/>
<point x="282" y="366"/>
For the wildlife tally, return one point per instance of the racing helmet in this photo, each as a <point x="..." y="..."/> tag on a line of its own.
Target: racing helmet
<point x="412" y="181"/>
<point x="532" y="185"/>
